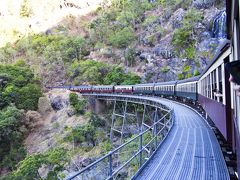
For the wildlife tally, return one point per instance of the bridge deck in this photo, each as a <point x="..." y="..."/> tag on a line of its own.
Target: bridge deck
<point x="191" y="151"/>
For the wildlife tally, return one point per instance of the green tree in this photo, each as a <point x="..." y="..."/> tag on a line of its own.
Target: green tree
<point x="196" y="72"/>
<point x="183" y="38"/>
<point x="11" y="150"/>
<point x="95" y="120"/>
<point x="28" y="97"/>
<point x="28" y="168"/>
<point x="55" y="159"/>
<point x="130" y="56"/>
<point x="116" y="76"/>
<point x="18" y="86"/>
<point x="76" y="103"/>
<point x="86" y="133"/>
<point x="122" y="38"/>
<point x="25" y="10"/>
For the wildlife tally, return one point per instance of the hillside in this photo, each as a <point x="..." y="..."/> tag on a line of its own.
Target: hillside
<point x="20" y="18"/>
<point x="160" y="41"/>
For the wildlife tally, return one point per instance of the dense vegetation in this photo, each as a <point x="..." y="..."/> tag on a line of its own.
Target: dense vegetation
<point x="95" y="72"/>
<point x="77" y="104"/>
<point x="18" y="90"/>
<point x="185" y="42"/>
<point x="28" y="168"/>
<point x="70" y="51"/>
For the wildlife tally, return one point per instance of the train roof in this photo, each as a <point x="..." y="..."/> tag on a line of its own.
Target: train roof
<point x="147" y="84"/>
<point x="102" y="86"/>
<point x="195" y="78"/>
<point x="224" y="45"/>
<point x="123" y="85"/>
<point x="59" y="87"/>
<point x="81" y="86"/>
<point x="166" y="83"/>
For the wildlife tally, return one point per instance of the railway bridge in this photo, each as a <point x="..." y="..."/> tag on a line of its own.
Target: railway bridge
<point x="178" y="144"/>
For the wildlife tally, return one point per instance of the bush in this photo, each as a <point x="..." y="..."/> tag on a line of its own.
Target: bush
<point x="186" y="69"/>
<point x="11" y="150"/>
<point x="28" y="168"/>
<point x="190" y="52"/>
<point x="130" y="56"/>
<point x="196" y="72"/>
<point x="86" y="133"/>
<point x="18" y="86"/>
<point x="188" y="75"/>
<point x="165" y="69"/>
<point x="77" y="104"/>
<point x="53" y="158"/>
<point x="106" y="146"/>
<point x="183" y="37"/>
<point x="96" y="121"/>
<point x="94" y="72"/>
<point x="122" y="38"/>
<point x="180" y="76"/>
<point x="28" y="97"/>
<point x="149" y="20"/>
<point x="117" y="76"/>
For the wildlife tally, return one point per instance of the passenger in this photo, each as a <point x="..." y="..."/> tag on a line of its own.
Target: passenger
<point x="236" y="87"/>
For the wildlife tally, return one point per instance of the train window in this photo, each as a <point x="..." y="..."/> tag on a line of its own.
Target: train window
<point x="220" y="82"/>
<point x="208" y="86"/>
<point x="214" y="83"/>
<point x="204" y="87"/>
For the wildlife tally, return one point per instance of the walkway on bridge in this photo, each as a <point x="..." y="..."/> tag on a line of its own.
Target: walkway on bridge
<point x="191" y="150"/>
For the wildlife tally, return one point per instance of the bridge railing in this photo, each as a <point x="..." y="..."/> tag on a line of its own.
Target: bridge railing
<point x="127" y="160"/>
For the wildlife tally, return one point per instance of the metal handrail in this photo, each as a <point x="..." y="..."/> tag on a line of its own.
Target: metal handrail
<point x="109" y="155"/>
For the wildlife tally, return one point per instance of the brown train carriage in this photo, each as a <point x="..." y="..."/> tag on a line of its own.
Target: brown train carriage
<point x="103" y="89"/>
<point x="214" y="92"/>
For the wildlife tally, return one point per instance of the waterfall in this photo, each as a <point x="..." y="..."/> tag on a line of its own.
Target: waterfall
<point x="219" y="28"/>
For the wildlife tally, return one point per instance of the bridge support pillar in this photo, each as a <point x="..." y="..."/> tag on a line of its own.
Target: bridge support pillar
<point x="123" y="113"/>
<point x="97" y="105"/>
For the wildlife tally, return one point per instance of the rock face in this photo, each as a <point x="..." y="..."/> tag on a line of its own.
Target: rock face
<point x="176" y="18"/>
<point x="44" y="106"/>
<point x="52" y="123"/>
<point x="58" y="103"/>
<point x="33" y="119"/>
<point x="54" y="74"/>
<point x="203" y="3"/>
<point x="163" y="62"/>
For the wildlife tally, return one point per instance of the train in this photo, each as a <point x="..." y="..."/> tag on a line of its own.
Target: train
<point x="211" y="89"/>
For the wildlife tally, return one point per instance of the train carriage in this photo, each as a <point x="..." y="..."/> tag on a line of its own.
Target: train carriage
<point x="123" y="89"/>
<point x="103" y="89"/>
<point x="187" y="89"/>
<point x="165" y="88"/>
<point x="143" y="88"/>
<point x="81" y="89"/>
<point x="214" y="91"/>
